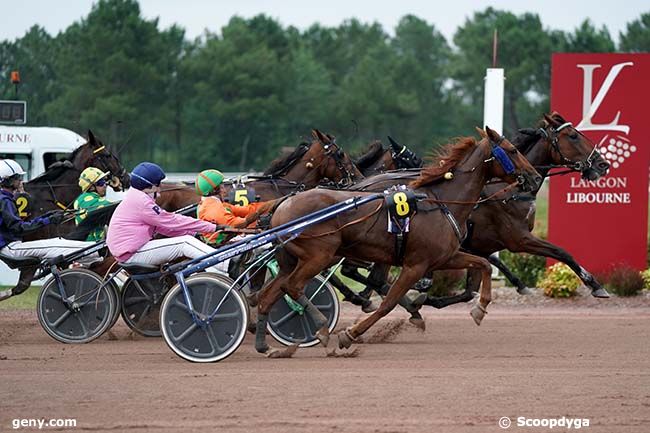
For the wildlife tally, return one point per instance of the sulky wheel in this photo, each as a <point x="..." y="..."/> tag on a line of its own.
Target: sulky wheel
<point x="88" y="314"/>
<point x="204" y="342"/>
<point x="289" y="326"/>
<point x="140" y="306"/>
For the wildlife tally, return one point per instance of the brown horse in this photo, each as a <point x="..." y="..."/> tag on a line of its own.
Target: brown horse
<point x="507" y="223"/>
<point x="376" y="159"/>
<point x="310" y="164"/>
<point x="58" y="187"/>
<point x="433" y="239"/>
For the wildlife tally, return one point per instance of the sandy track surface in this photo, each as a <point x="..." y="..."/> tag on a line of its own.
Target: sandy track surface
<point x="587" y="360"/>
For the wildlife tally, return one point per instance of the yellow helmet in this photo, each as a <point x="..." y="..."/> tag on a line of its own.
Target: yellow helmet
<point x="89" y="176"/>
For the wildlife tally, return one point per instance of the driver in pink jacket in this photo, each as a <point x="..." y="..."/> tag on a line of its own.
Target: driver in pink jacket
<point x="138" y="218"/>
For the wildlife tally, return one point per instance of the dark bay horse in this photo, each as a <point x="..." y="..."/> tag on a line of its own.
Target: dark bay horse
<point x="433" y="239"/>
<point x="376" y="159"/>
<point x="58" y="187"/>
<point x="310" y="164"/>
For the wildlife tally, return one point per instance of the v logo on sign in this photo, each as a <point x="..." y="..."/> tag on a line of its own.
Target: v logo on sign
<point x="590" y="107"/>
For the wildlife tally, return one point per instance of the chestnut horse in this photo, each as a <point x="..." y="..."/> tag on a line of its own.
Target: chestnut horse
<point x="309" y="165"/>
<point x="433" y="240"/>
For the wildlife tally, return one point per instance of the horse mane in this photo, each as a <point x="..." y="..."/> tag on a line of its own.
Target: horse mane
<point x="526" y="138"/>
<point x="370" y="155"/>
<point x="281" y="165"/>
<point x="446" y="158"/>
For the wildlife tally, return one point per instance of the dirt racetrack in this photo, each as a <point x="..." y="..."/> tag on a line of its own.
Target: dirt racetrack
<point x="587" y="360"/>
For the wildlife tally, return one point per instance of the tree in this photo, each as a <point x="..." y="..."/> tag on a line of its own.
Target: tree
<point x="119" y="75"/>
<point x="637" y="37"/>
<point x="586" y="39"/>
<point x="525" y="53"/>
<point x="33" y="56"/>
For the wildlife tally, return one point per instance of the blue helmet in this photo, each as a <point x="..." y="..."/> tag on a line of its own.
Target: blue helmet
<point x="145" y="175"/>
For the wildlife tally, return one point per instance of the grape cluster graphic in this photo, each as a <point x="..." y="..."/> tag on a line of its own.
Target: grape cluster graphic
<point x="616" y="149"/>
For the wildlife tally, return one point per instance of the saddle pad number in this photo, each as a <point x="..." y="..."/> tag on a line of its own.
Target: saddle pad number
<point x="22" y="203"/>
<point x="241" y="197"/>
<point x="402" y="204"/>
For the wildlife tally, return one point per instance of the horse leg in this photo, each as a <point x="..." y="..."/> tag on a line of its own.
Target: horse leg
<point x="472" y="283"/>
<point x="407" y="278"/>
<point x="521" y="287"/>
<point x="294" y="286"/>
<point x="24" y="281"/>
<point x="268" y="296"/>
<point x="351" y="296"/>
<point x="534" y="245"/>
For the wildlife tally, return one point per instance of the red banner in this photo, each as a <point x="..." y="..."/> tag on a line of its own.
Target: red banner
<point x="604" y="223"/>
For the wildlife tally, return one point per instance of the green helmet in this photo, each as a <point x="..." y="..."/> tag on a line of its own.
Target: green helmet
<point x="208" y="181"/>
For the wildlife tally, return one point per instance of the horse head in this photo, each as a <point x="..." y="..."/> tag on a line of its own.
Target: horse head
<point x="94" y="153"/>
<point x="326" y="158"/>
<point x="571" y="149"/>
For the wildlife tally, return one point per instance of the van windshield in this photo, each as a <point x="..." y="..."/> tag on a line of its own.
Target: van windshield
<point x="24" y="159"/>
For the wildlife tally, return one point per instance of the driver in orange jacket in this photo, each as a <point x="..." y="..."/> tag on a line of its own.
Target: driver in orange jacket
<point x="212" y="209"/>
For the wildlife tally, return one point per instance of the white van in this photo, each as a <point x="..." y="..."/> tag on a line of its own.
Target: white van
<point x="35" y="148"/>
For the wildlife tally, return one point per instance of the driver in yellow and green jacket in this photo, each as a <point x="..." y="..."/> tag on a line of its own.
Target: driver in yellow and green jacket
<point x="92" y="182"/>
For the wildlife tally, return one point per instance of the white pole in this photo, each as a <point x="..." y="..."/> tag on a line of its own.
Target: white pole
<point x="493" y="109"/>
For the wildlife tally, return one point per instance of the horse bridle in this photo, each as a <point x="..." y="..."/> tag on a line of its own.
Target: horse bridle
<point x="99" y="155"/>
<point x="334" y="151"/>
<point x="407" y="155"/>
<point x="554" y="139"/>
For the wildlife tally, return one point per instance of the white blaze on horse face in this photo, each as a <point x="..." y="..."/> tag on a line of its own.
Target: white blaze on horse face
<point x="589" y="106"/>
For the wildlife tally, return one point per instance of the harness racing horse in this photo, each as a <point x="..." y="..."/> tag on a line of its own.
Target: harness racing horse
<point x="58" y="187"/>
<point x="508" y="224"/>
<point x="309" y="165"/>
<point x="434" y="238"/>
<point x="376" y="159"/>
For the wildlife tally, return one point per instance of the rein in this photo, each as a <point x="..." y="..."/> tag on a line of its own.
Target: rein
<point x="473" y="203"/>
<point x="351" y="223"/>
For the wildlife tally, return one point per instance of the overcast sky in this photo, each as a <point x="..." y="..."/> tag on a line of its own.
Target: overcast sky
<point x="197" y="15"/>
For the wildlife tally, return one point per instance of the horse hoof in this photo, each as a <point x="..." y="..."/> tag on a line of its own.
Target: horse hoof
<point x="323" y="335"/>
<point x="370" y="307"/>
<point x="345" y="340"/>
<point x="600" y="293"/>
<point x="5" y="294"/>
<point x="287" y="352"/>
<point x="418" y="323"/>
<point x="477" y="314"/>
<point x="525" y="291"/>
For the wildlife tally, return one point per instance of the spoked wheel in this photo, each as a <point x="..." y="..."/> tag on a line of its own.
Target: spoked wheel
<point x="115" y="293"/>
<point x="141" y="306"/>
<point x="209" y="342"/>
<point x="89" y="314"/>
<point x="289" y="326"/>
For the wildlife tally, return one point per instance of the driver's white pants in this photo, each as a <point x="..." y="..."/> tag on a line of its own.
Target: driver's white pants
<point x="161" y="251"/>
<point x="49" y="249"/>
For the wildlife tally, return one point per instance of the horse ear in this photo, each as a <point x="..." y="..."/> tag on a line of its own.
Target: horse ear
<point x="394" y="144"/>
<point x="481" y="132"/>
<point x="492" y="134"/>
<point x="319" y="136"/>
<point x="91" y="138"/>
<point x="550" y="120"/>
